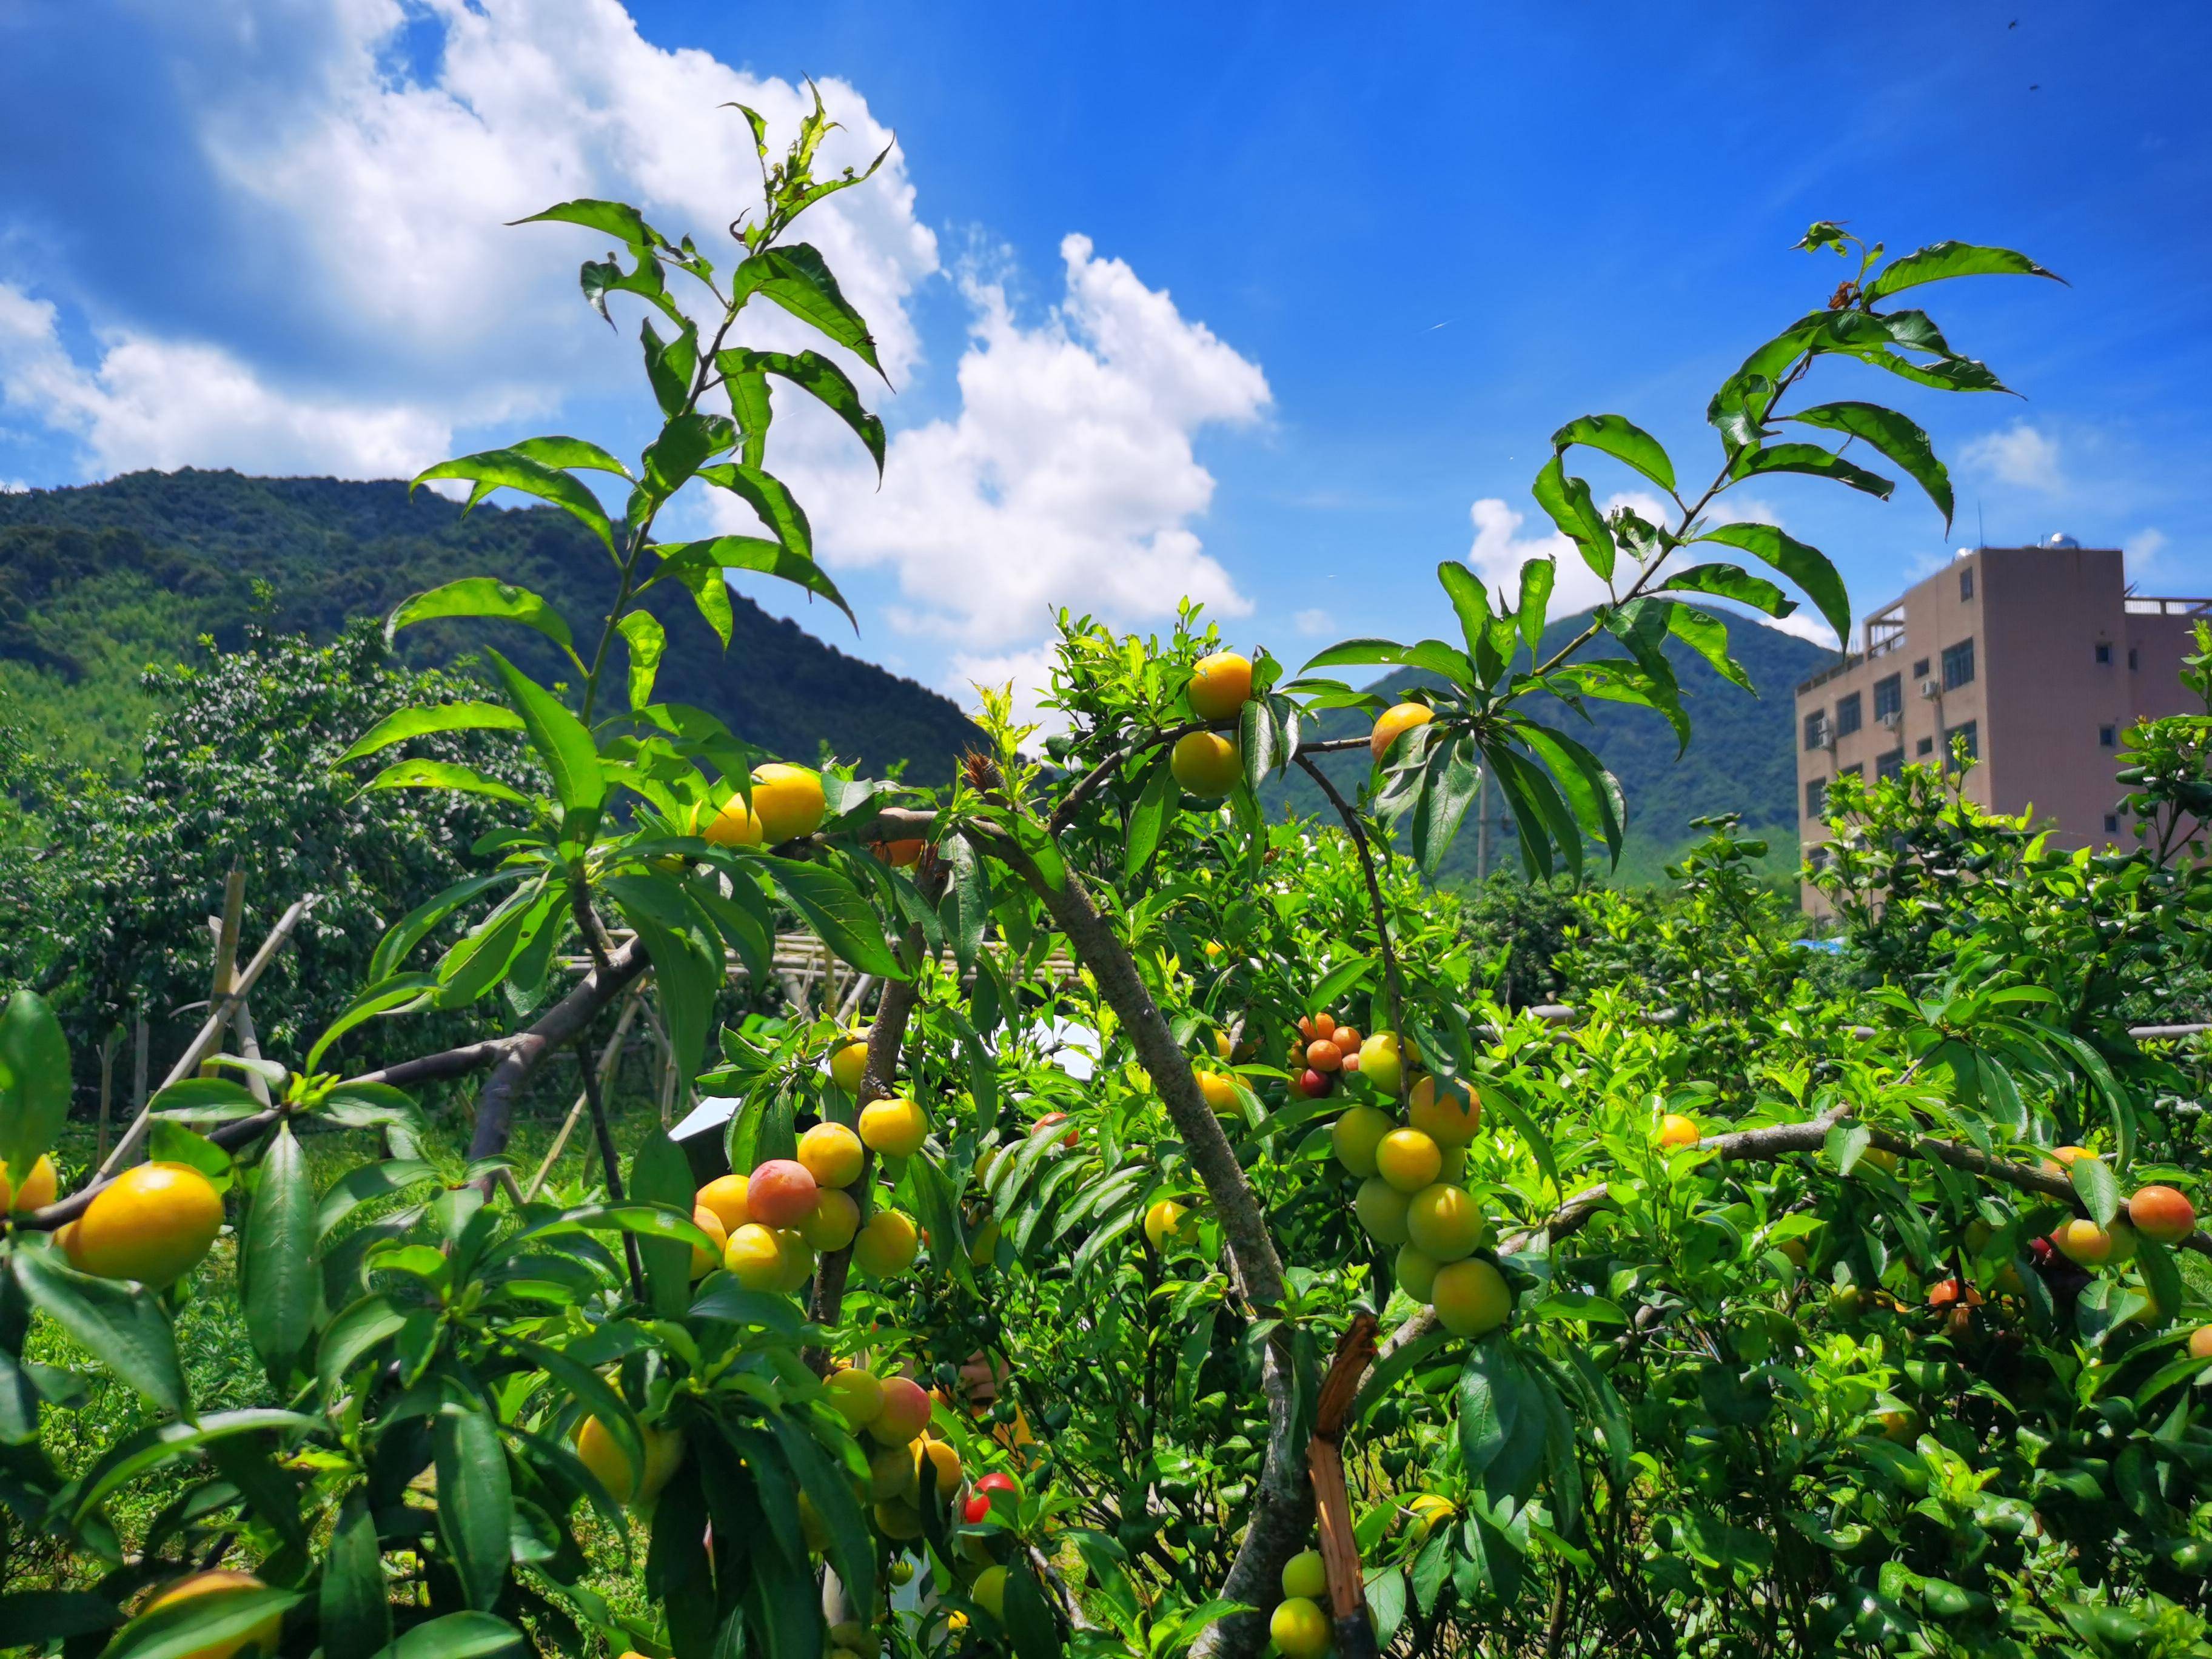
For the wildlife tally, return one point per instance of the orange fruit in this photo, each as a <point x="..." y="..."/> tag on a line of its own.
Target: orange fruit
<point x="989" y="1592"/>
<point x="1301" y="1629"/>
<point x="849" y="1063"/>
<point x="1408" y="1159"/>
<point x="153" y="1222"/>
<point x="905" y="1412"/>
<point x="1448" y="1113"/>
<point x="598" y="1451"/>
<point x="1417" y="1274"/>
<point x="1356" y="1135"/>
<point x="886" y="1245"/>
<point x="894" y="1127"/>
<point x="788" y="801"/>
<point x="1221" y="1092"/>
<point x="835" y="1219"/>
<point x="1381" y="1064"/>
<point x="704" y="1262"/>
<point x="1305" y="1574"/>
<point x="1676" y="1130"/>
<point x="831" y="1153"/>
<point x="1220" y="685"/>
<point x="1444" y="1223"/>
<point x="1207" y="765"/>
<point x="754" y="1255"/>
<point x="1380" y="1208"/>
<point x="1402" y="719"/>
<point x="1471" y="1297"/>
<point x="1163" y="1223"/>
<point x="38" y="1188"/>
<point x="735" y="824"/>
<point x="857" y="1393"/>
<point x="781" y="1192"/>
<point x="726" y="1196"/>
<point x="2161" y="1213"/>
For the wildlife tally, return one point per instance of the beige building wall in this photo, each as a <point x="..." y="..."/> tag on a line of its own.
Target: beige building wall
<point x="2040" y="652"/>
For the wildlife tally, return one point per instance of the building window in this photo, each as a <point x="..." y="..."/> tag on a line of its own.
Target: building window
<point x="2103" y="651"/>
<point x="1816" y="798"/>
<point x="1847" y="715"/>
<point x="1888" y="697"/>
<point x="1925" y="746"/>
<point x="1816" y="727"/>
<point x="1920" y="668"/>
<point x="1968" y="730"/>
<point x="2108" y="737"/>
<point x="1889" y="765"/>
<point x="2135" y="658"/>
<point x="2111" y="823"/>
<point x="1965" y="584"/>
<point x="1958" y="664"/>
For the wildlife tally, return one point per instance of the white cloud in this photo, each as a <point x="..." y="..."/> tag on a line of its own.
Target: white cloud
<point x="1314" y="621"/>
<point x="2019" y="455"/>
<point x="399" y="306"/>
<point x="2143" y="549"/>
<point x="170" y="403"/>
<point x="1499" y="550"/>
<point x="1069" y="475"/>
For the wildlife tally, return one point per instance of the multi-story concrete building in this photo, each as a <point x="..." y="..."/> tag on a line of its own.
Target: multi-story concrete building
<point x="2039" y="657"/>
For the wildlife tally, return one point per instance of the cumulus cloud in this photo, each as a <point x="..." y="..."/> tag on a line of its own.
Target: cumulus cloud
<point x="387" y="303"/>
<point x="1069" y="475"/>
<point x="169" y="404"/>
<point x="1499" y="549"/>
<point x="2019" y="455"/>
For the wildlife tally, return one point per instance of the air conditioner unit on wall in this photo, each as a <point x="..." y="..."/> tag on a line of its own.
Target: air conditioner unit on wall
<point x="1893" y="720"/>
<point x="1930" y="689"/>
<point x="1825" y="740"/>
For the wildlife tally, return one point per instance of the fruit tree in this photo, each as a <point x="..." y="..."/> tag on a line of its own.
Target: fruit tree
<point x="1170" y="1246"/>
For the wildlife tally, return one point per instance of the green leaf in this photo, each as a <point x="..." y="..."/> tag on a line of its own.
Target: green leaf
<point x="563" y="744"/>
<point x="710" y="592"/>
<point x="476" y="1506"/>
<point x="1568" y="502"/>
<point x="1434" y="655"/>
<point x="213" y="1621"/>
<point x="1030" y="1619"/>
<point x="1732" y="581"/>
<point x="648" y="640"/>
<point x="712" y="557"/>
<point x="120" y="1323"/>
<point x="2097" y="1187"/>
<point x="1501" y="1424"/>
<point x="686" y="948"/>
<point x="1148" y="822"/>
<point x="616" y="219"/>
<point x="769" y="497"/>
<point x="1707" y="634"/>
<point x="352" y="1336"/>
<point x="1623" y="441"/>
<point x="1806" y="565"/>
<point x="837" y="912"/>
<point x="1536" y="579"/>
<point x="683" y="445"/>
<point x="659" y="1174"/>
<point x="797" y="278"/>
<point x="280" y="1276"/>
<point x="150" y="1448"/>
<point x="36" y="1617"/>
<point x="1450" y="781"/>
<point x="852" y="1551"/>
<point x="443" y="775"/>
<point x="457" y="1636"/>
<point x="1941" y="260"/>
<point x="439" y="717"/>
<point x="1812" y="459"/>
<point x="1471" y="602"/>
<point x="1592" y="793"/>
<point x="355" y="1611"/>
<point x="569" y="453"/>
<point x="1899" y="438"/>
<point x="813" y="373"/>
<point x="669" y="366"/>
<point x="504" y="469"/>
<point x="34" y="1079"/>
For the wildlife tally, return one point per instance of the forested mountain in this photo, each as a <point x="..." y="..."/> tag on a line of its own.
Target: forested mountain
<point x="98" y="581"/>
<point x="1742" y="757"/>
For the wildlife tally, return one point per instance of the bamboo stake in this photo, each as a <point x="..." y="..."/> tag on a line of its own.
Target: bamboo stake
<point x="203" y="1044"/>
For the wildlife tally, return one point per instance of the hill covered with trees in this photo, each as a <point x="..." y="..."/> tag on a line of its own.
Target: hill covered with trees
<point x="97" y="582"/>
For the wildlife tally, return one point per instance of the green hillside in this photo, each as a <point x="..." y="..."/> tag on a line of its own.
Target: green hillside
<point x="1742" y="757"/>
<point x="98" y="581"/>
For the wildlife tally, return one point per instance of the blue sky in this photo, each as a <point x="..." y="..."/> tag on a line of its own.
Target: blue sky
<point x="1276" y="304"/>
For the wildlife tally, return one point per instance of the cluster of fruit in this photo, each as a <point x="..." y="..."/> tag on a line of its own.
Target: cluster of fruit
<point x="1300" y="1623"/>
<point x="787" y="803"/>
<point x="1325" y="1050"/>
<point x="2163" y="1214"/>
<point x="768" y="1225"/>
<point x="1410" y="1194"/>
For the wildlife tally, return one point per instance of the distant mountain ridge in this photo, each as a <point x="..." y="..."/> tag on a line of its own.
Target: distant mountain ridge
<point x="1742" y="757"/>
<point x="97" y="580"/>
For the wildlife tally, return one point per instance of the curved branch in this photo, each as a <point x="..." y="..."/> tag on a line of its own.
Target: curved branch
<point x="1283" y="1511"/>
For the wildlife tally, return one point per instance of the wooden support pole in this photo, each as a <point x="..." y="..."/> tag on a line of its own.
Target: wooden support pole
<point x="1339" y="1549"/>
